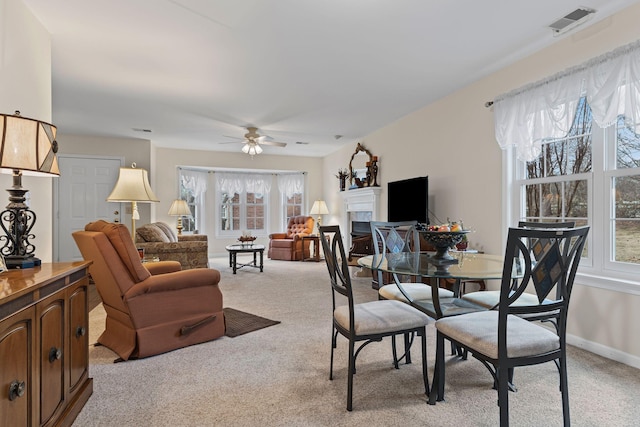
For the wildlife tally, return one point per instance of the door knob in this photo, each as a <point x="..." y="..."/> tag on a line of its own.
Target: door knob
<point x="116" y="212"/>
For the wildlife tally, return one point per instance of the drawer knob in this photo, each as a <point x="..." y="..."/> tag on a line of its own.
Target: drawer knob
<point x="80" y="331"/>
<point x="16" y="389"/>
<point x="54" y="354"/>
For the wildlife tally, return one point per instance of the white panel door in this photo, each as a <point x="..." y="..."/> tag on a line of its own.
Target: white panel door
<point x="82" y="190"/>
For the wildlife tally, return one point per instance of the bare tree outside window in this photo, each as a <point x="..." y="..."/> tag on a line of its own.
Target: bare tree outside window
<point x="558" y="183"/>
<point x="626" y="189"/>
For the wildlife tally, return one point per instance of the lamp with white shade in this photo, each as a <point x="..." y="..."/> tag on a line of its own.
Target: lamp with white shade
<point x="179" y="208"/>
<point x="29" y="147"/>
<point x="319" y="208"/>
<point x="133" y="186"/>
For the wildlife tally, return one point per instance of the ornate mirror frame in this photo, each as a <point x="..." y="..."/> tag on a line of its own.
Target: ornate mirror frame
<point x="352" y="171"/>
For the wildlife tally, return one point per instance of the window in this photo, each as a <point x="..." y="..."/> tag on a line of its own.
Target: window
<point x="623" y="176"/>
<point x="189" y="223"/>
<point x="291" y="188"/>
<point x="555" y="186"/>
<point x="292" y="206"/>
<point x="575" y="154"/>
<point x="242" y="203"/>
<point x="193" y="185"/>
<point x="590" y="176"/>
<point x="243" y="212"/>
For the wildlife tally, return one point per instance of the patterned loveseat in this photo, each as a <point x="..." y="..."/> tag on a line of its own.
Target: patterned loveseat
<point x="159" y="241"/>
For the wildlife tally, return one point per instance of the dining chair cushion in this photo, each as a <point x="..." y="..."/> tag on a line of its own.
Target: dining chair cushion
<point x="490" y="299"/>
<point x="480" y="331"/>
<point x="378" y="317"/>
<point x="417" y="291"/>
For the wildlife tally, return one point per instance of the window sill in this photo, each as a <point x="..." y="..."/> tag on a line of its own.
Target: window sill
<point x="609" y="283"/>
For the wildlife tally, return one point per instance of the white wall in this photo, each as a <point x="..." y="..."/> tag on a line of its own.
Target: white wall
<point x="453" y="141"/>
<point x="25" y="85"/>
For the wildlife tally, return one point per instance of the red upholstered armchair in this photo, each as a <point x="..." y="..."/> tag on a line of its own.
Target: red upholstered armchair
<point x="287" y="246"/>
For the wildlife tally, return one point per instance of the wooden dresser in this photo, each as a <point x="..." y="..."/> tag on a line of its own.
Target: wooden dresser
<point x="44" y="348"/>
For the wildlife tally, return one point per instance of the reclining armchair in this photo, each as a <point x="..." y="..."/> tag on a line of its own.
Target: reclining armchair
<point x="287" y="246"/>
<point x="147" y="313"/>
<point x="159" y="241"/>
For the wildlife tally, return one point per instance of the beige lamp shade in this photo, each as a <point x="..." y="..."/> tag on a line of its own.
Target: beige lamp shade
<point x="133" y="186"/>
<point x="28" y="145"/>
<point x="319" y="208"/>
<point x="179" y="208"/>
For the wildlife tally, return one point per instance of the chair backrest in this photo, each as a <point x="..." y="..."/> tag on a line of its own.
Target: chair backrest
<point x="548" y="259"/>
<point x="536" y="224"/>
<point x="116" y="263"/>
<point x="393" y="237"/>
<point x="299" y="225"/>
<point x="337" y="264"/>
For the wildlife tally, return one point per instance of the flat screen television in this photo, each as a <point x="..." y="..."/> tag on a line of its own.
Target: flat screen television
<point x="408" y="200"/>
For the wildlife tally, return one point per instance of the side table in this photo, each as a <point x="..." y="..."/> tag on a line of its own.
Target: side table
<point x="316" y="248"/>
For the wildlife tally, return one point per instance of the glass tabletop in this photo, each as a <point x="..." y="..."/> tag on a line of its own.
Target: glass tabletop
<point x="468" y="266"/>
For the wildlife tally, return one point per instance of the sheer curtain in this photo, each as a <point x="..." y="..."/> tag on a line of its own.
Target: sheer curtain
<point x="546" y="109"/>
<point x="290" y="184"/>
<point x="234" y="182"/>
<point x="196" y="182"/>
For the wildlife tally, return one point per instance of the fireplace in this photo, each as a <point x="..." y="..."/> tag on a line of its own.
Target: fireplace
<point x="359" y="205"/>
<point x="361" y="240"/>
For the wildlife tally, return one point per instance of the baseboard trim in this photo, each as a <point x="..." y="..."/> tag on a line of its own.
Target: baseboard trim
<point x="604" y="351"/>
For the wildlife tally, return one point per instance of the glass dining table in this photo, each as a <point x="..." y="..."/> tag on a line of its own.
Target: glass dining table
<point x="422" y="265"/>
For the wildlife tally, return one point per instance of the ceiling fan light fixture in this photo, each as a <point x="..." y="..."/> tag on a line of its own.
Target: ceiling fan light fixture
<point x="252" y="148"/>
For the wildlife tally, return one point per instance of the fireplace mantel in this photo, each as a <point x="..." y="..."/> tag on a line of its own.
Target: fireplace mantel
<point x="366" y="199"/>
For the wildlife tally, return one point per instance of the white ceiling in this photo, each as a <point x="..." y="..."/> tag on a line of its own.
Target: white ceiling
<point x="196" y="72"/>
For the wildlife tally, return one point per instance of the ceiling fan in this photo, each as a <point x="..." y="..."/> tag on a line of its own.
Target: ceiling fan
<point x="253" y="141"/>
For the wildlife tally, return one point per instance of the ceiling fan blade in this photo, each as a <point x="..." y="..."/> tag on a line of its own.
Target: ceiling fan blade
<point x="274" y="143"/>
<point x="244" y="141"/>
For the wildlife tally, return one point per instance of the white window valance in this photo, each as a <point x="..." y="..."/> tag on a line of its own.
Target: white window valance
<point x="546" y="109"/>
<point x="195" y="181"/>
<point x="235" y="182"/>
<point x="290" y="184"/>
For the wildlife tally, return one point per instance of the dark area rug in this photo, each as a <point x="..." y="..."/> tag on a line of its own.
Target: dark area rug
<point x="239" y="323"/>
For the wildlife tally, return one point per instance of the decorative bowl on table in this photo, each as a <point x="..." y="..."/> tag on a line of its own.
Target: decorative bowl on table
<point x="246" y="240"/>
<point x="443" y="241"/>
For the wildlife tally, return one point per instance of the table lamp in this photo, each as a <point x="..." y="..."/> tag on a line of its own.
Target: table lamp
<point x="133" y="186"/>
<point x="179" y="208"/>
<point x="26" y="146"/>
<point x="319" y="208"/>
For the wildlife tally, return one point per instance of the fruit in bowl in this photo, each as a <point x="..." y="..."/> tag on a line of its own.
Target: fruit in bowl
<point x="443" y="240"/>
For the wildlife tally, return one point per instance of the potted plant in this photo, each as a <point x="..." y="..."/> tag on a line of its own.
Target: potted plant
<point x="342" y="176"/>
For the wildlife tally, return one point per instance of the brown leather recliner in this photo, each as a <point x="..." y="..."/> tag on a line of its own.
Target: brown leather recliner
<point x="147" y="313"/>
<point x="287" y="246"/>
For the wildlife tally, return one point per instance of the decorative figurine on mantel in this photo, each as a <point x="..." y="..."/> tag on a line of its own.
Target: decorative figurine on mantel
<point x="374" y="171"/>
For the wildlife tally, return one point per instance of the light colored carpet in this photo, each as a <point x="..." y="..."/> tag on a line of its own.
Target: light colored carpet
<point x="278" y="376"/>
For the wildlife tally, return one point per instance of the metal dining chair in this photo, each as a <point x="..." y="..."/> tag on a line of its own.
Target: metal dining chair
<point x="365" y="322"/>
<point x="503" y="339"/>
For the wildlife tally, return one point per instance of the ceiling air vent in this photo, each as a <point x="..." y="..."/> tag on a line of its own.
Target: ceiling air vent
<point x="571" y="20"/>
